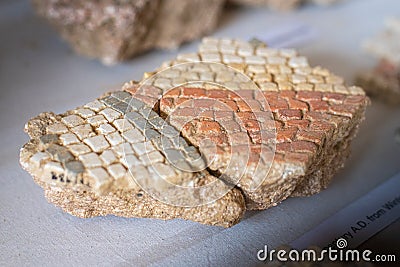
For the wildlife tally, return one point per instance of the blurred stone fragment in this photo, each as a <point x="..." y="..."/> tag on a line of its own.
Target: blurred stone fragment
<point x="113" y="30"/>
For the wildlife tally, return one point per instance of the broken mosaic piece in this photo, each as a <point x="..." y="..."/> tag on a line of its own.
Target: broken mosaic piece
<point x="127" y="164"/>
<point x="383" y="82"/>
<point x="315" y="117"/>
<point x="255" y="123"/>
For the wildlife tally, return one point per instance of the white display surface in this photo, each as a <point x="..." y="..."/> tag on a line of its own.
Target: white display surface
<point x="38" y="72"/>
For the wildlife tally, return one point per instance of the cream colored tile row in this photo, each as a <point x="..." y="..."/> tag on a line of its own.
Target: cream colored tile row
<point x="251" y="66"/>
